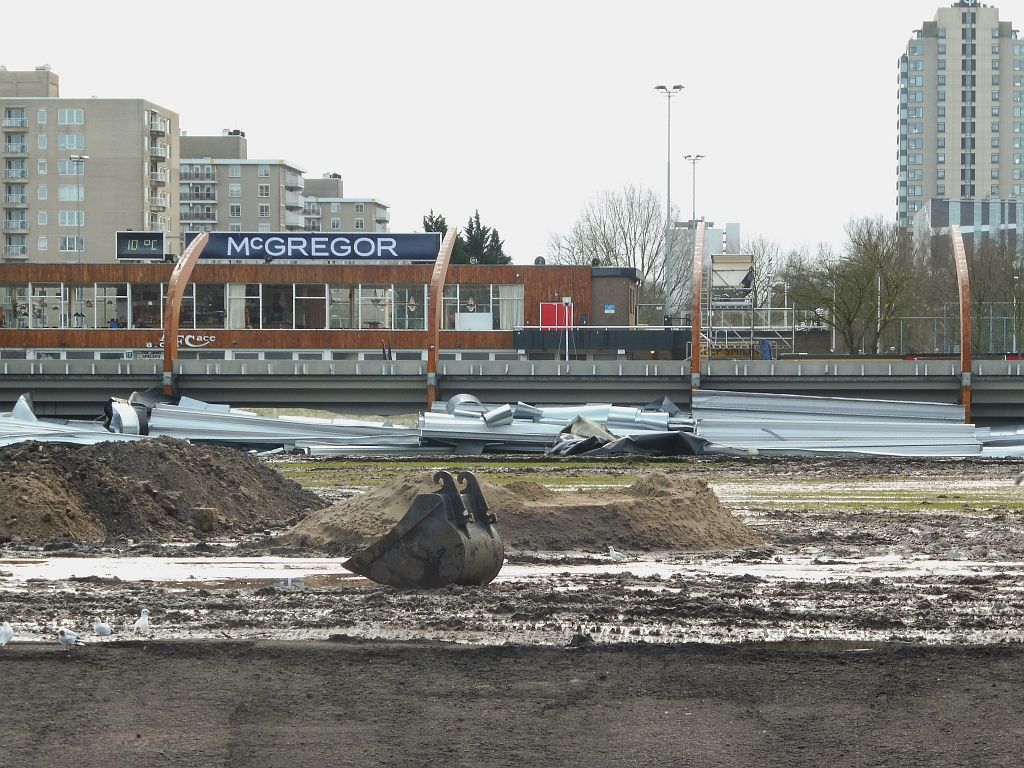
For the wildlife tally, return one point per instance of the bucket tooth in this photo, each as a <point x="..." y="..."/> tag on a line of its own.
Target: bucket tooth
<point x="446" y="537"/>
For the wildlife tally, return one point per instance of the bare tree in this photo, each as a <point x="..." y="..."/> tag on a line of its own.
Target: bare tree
<point x="626" y="229"/>
<point x="863" y="291"/>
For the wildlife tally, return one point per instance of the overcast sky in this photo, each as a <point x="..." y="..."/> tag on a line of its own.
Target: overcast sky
<point x="524" y="110"/>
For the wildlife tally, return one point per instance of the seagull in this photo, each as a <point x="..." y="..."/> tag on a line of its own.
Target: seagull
<point x="142" y="623"/>
<point x="6" y="633"/>
<point x="615" y="554"/>
<point x="99" y="627"/>
<point x="67" y="638"/>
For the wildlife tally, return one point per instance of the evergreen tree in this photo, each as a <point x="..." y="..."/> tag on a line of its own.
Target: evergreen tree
<point x="476" y="244"/>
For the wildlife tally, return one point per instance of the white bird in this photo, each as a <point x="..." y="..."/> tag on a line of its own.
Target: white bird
<point x="615" y="554"/>
<point x="6" y="633"/>
<point x="99" y="627"/>
<point x="1019" y="479"/>
<point x="67" y="638"/>
<point x="142" y="623"/>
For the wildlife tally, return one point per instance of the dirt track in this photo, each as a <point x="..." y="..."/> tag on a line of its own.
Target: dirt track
<point x="221" y="703"/>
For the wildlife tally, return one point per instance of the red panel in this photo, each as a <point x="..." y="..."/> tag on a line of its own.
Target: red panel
<point x="555" y="315"/>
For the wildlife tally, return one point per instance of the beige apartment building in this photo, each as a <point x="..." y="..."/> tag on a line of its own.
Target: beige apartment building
<point x="222" y="190"/>
<point x="77" y="170"/>
<point x="328" y="210"/>
<point x="961" y="111"/>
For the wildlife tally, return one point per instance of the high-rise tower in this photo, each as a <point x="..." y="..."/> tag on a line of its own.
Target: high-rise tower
<point x="961" y="110"/>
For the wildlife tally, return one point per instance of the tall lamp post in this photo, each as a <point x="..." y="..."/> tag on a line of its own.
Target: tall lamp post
<point x="669" y="92"/>
<point x="79" y="161"/>
<point x="693" y="160"/>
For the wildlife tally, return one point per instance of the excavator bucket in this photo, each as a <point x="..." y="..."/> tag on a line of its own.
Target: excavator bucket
<point x="446" y="537"/>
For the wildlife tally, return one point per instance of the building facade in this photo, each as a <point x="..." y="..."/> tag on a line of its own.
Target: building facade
<point x="961" y="110"/>
<point x="222" y="190"/>
<point x="77" y="170"/>
<point x="328" y="210"/>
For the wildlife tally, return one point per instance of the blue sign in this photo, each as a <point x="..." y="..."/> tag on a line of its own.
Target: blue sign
<point x="609" y="309"/>
<point x="321" y="246"/>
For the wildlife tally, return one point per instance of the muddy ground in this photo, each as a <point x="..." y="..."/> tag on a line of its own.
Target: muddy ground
<point x="879" y="623"/>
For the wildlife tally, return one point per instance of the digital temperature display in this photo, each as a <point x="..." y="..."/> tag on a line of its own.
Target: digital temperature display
<point x="140" y="245"/>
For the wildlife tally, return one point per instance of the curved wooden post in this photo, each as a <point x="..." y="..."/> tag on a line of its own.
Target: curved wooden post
<point x="436" y="310"/>
<point x="963" y="284"/>
<point x="695" y="312"/>
<point x="172" y="312"/>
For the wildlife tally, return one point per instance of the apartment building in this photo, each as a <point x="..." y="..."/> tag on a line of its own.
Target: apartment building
<point x="328" y="210"/>
<point x="961" y="110"/>
<point x="222" y="190"/>
<point x="77" y="170"/>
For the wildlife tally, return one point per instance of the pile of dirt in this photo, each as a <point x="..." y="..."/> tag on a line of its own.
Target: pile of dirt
<point x="657" y="512"/>
<point x="157" y="490"/>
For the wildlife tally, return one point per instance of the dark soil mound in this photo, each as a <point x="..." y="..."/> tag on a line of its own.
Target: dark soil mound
<point x="657" y="512"/>
<point x="157" y="489"/>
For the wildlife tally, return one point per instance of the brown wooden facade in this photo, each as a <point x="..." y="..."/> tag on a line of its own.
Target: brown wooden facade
<point x="540" y="284"/>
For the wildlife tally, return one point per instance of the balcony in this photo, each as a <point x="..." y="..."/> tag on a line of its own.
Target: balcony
<point x="187" y="174"/>
<point x="189" y="196"/>
<point x="159" y="178"/>
<point x="157" y="223"/>
<point x="15" y="173"/>
<point x="293" y="181"/>
<point x="15" y="123"/>
<point x="17" y="200"/>
<point x="159" y="126"/>
<point x="382" y="216"/>
<point x="15" y="148"/>
<point x="15" y="225"/>
<point x="16" y="250"/>
<point x="159" y="151"/>
<point x="160" y="201"/>
<point x="199" y="217"/>
<point x="293" y="201"/>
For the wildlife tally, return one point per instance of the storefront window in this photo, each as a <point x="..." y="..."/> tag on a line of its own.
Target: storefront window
<point x="341" y="306"/>
<point x="311" y="305"/>
<point x="278" y="305"/>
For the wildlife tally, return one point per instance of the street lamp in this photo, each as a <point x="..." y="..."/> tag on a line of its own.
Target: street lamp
<point x="669" y="92"/>
<point x="693" y="160"/>
<point x="79" y="161"/>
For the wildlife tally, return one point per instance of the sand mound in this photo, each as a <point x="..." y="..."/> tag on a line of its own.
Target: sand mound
<point x="156" y="489"/>
<point x="658" y="512"/>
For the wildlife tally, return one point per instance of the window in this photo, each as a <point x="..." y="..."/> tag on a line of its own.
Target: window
<point x="940" y="173"/>
<point x="994" y="189"/>
<point x="73" y="218"/>
<point x="914" y="190"/>
<point x="915" y="175"/>
<point x="41" y="243"/>
<point x="995" y="63"/>
<point x="263" y="170"/>
<point x="70" y="141"/>
<point x="263" y="211"/>
<point x="942" y="64"/>
<point x="995" y="173"/>
<point x="41" y="192"/>
<point x="995" y="158"/>
<point x="941" y="80"/>
<point x="995" y="95"/>
<point x="914" y="159"/>
<point x="940" y="143"/>
<point x="234" y="227"/>
<point x="995" y="127"/>
<point x="235" y="171"/>
<point x="940" y="126"/>
<point x="941" y="111"/>
<point x="359" y="206"/>
<point x="916" y="144"/>
<point x="70" y="116"/>
<point x="335" y="223"/>
<point x="360" y="224"/>
<point x="42" y="218"/>
<point x="995" y="80"/>
<point x="234" y="190"/>
<point x="70" y="168"/>
<point x="335" y="207"/>
<point x="41" y="167"/>
<point x="940" y="189"/>
<point x="70" y="192"/>
<point x="915" y="128"/>
<point x="235" y="211"/>
<point x="264" y="190"/>
<point x="41" y="116"/>
<point x="939" y="158"/>
<point x="41" y="141"/>
<point x="915" y="49"/>
<point x="69" y="244"/>
<point x="916" y="65"/>
<point x="941" y="49"/>
<point x="912" y="112"/>
<point x="263" y="228"/>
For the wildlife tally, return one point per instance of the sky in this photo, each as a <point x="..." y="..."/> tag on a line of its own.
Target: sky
<point x="525" y="111"/>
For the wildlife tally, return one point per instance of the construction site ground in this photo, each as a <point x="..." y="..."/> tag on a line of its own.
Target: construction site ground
<point x="861" y="612"/>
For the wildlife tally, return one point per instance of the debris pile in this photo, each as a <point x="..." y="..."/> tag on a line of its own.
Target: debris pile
<point x="657" y="512"/>
<point x="156" y="489"/>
